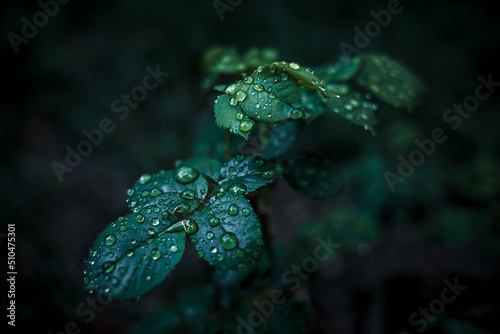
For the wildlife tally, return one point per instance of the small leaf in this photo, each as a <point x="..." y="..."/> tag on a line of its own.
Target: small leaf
<point x="312" y="176"/>
<point x="209" y="167"/>
<point x="229" y="235"/>
<point x="283" y="136"/>
<point x="245" y="174"/>
<point x="390" y="81"/>
<point x="343" y="70"/>
<point x="165" y="190"/>
<point x="291" y="317"/>
<point x="353" y="106"/>
<point x="313" y="104"/>
<point x="229" y="115"/>
<point x="305" y="78"/>
<point x="226" y="60"/>
<point x="133" y="254"/>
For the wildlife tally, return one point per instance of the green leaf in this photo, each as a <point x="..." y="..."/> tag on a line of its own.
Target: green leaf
<point x="229" y="235"/>
<point x="165" y="190"/>
<point x="269" y="95"/>
<point x="209" y="167"/>
<point x="230" y="116"/>
<point x="283" y="137"/>
<point x="291" y="317"/>
<point x="305" y="78"/>
<point x="227" y="60"/>
<point x="312" y="176"/>
<point x="313" y="104"/>
<point x="390" y="81"/>
<point x="133" y="254"/>
<point x="343" y="70"/>
<point x="244" y="174"/>
<point x="353" y="106"/>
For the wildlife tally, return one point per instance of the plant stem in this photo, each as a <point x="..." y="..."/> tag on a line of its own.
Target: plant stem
<point x="227" y="148"/>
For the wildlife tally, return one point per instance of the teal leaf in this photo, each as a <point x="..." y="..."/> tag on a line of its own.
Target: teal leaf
<point x="313" y="176"/>
<point x="229" y="115"/>
<point x="305" y="78"/>
<point x="313" y="104"/>
<point x="209" y="167"/>
<point x="244" y="174"/>
<point x="353" y="106"/>
<point x="229" y="235"/>
<point x="291" y="317"/>
<point x="390" y="81"/>
<point x="282" y="137"/>
<point x="133" y="254"/>
<point x="180" y="190"/>
<point x="227" y="60"/>
<point x="343" y="70"/>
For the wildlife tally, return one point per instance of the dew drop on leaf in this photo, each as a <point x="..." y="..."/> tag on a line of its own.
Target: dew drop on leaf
<point x="190" y="226"/>
<point x="108" y="266"/>
<point x="238" y="189"/>
<point x="268" y="174"/>
<point x="188" y="194"/>
<point x="214" y="221"/>
<point x="233" y="210"/>
<point x="245" y="126"/>
<point x="110" y="239"/>
<point x="228" y="240"/>
<point x="145" y="179"/>
<point x="156" y="254"/>
<point x="185" y="174"/>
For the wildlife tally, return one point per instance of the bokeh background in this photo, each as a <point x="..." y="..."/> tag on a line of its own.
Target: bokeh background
<point x="396" y="247"/>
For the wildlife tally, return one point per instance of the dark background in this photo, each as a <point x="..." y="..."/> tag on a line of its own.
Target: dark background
<point x="443" y="222"/>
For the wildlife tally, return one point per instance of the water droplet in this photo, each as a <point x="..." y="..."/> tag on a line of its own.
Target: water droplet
<point x="186" y="174"/>
<point x="181" y="207"/>
<point x="110" y="239"/>
<point x="155" y="222"/>
<point x="214" y="221"/>
<point x="240" y="253"/>
<point x="201" y="253"/>
<point x="174" y="248"/>
<point x="123" y="228"/>
<point x="239" y="116"/>
<point x="237" y="189"/>
<point x="109" y="266"/>
<point x="151" y="231"/>
<point x="130" y="192"/>
<point x="296" y="113"/>
<point x="86" y="280"/>
<point x="257" y="106"/>
<point x="233" y="210"/>
<point x="245" y="126"/>
<point x="245" y="211"/>
<point x="233" y="102"/>
<point x="188" y="194"/>
<point x="129" y="253"/>
<point x="139" y="218"/>
<point x="258" y="87"/>
<point x="210" y="235"/>
<point x="284" y="76"/>
<point x="156" y="254"/>
<point x="268" y="174"/>
<point x="190" y="226"/>
<point x="241" y="95"/>
<point x="294" y="66"/>
<point x="259" y="242"/>
<point x="242" y="267"/>
<point x="272" y="95"/>
<point x="115" y="281"/>
<point x="248" y="80"/>
<point x="213" y="250"/>
<point x="231" y="89"/>
<point x="145" y="179"/>
<point x="193" y="241"/>
<point x="156" y="192"/>
<point x="228" y="240"/>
